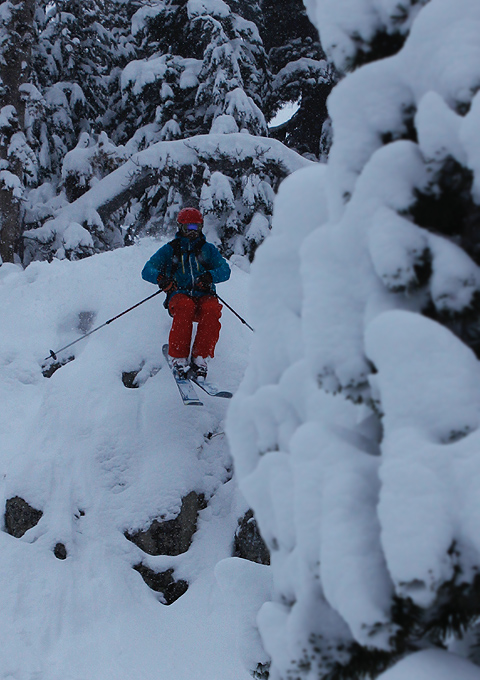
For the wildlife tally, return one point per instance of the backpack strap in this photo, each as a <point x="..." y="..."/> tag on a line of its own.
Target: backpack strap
<point x="198" y="250"/>
<point x="177" y="253"/>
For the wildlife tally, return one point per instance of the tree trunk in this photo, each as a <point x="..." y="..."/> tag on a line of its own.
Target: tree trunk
<point x="14" y="70"/>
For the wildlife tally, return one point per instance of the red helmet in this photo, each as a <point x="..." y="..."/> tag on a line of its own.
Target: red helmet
<point x="189" y="216"/>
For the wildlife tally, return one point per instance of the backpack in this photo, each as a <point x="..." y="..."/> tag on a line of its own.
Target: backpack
<point x="177" y="256"/>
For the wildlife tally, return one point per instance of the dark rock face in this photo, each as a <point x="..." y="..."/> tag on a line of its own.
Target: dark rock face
<point x="163" y="582"/>
<point x="248" y="542"/>
<point x="128" y="379"/>
<point x="138" y="377"/>
<point x="20" y="516"/>
<point x="60" y="551"/>
<point x="174" y="536"/>
<point x="262" y="672"/>
<point x="169" y="537"/>
<point x="49" y="367"/>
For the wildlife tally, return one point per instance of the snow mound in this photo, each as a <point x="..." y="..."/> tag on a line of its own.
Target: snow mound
<point x="432" y="663"/>
<point x="98" y="459"/>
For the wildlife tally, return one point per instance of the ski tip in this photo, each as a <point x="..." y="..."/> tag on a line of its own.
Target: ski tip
<point x="225" y="395"/>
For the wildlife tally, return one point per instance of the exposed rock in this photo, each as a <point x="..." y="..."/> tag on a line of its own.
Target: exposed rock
<point x="20" y="516"/>
<point x="163" y="582"/>
<point x="128" y="378"/>
<point x="262" y="672"/>
<point x="173" y="536"/>
<point x="248" y="542"/>
<point x="49" y="367"/>
<point x="139" y="376"/>
<point x="60" y="551"/>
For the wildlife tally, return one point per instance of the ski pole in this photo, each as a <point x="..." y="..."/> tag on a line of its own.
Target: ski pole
<point x="236" y="314"/>
<point x="53" y="355"/>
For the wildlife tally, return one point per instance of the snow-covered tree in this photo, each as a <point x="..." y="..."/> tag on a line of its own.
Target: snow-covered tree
<point x="356" y="431"/>
<point x="60" y="66"/>
<point x="76" y="66"/>
<point x="150" y="178"/>
<point x="300" y="73"/>
<point x="202" y="71"/>
<point x="200" y="60"/>
<point x="107" y="80"/>
<point x="17" y="164"/>
<point x="363" y="32"/>
<point x="81" y="47"/>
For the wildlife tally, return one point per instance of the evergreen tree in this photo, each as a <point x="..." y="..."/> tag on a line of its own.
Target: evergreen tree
<point x="350" y="43"/>
<point x="300" y="73"/>
<point x="199" y="62"/>
<point x="203" y="71"/>
<point x="17" y="31"/>
<point x="80" y="51"/>
<point x="109" y="79"/>
<point x="361" y="456"/>
<point x="61" y="69"/>
<point x="81" y="46"/>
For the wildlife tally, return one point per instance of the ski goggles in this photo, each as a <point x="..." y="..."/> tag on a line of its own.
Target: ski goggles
<point x="193" y="227"/>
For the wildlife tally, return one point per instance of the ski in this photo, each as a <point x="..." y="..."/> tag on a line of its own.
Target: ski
<point x="185" y="386"/>
<point x="211" y="389"/>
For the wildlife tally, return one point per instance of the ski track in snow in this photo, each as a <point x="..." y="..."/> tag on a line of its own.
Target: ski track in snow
<point x="100" y="459"/>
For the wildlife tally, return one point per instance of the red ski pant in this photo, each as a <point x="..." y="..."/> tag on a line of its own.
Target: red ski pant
<point x="206" y="311"/>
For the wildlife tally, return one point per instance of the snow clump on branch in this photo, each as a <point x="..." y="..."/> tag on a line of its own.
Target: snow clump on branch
<point x="356" y="430"/>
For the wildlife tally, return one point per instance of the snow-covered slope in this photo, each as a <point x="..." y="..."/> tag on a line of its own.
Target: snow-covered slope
<point x="99" y="459"/>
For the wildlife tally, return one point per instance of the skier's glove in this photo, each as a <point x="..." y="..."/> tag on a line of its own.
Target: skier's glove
<point x="166" y="284"/>
<point x="204" y="281"/>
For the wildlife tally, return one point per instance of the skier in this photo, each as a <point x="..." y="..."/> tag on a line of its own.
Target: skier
<point x="187" y="269"/>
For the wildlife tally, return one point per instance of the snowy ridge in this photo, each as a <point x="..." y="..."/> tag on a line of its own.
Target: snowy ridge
<point x="99" y="459"/>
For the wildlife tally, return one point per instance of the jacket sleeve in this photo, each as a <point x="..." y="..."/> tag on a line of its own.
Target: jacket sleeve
<point x="158" y="264"/>
<point x="217" y="265"/>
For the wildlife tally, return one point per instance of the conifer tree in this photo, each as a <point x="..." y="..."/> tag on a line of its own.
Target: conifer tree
<point x="80" y="48"/>
<point x="108" y="79"/>
<point x="206" y="64"/>
<point x="76" y="61"/>
<point x="61" y="70"/>
<point x="17" y="32"/>
<point x="350" y="42"/>
<point x="363" y="480"/>
<point x="203" y="71"/>
<point x="300" y="73"/>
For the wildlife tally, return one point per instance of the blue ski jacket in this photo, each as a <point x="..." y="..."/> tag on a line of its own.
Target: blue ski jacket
<point x="184" y="261"/>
